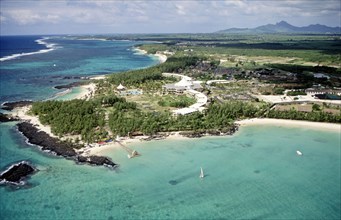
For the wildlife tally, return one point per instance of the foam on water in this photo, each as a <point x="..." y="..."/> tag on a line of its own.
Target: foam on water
<point x="50" y="47"/>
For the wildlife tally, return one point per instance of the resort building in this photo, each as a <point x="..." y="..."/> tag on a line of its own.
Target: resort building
<point x="121" y="87"/>
<point x="186" y="86"/>
<point x="181" y="86"/>
<point x="312" y="91"/>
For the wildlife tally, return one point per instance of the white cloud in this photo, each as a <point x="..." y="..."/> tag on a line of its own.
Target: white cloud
<point x="166" y="16"/>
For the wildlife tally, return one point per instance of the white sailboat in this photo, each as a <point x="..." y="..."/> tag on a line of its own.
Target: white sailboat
<point x="299" y="153"/>
<point x="201" y="173"/>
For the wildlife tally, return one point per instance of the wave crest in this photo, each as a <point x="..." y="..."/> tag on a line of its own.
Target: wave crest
<point x="49" y="47"/>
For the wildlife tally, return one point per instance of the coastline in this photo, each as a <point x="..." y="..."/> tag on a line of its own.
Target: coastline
<point x="103" y="149"/>
<point x="161" y="57"/>
<point x="291" y="123"/>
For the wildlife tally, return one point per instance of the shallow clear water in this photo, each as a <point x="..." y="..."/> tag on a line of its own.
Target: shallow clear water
<point x="253" y="174"/>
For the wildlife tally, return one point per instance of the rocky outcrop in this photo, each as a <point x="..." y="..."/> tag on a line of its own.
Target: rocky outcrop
<point x="16" y="173"/>
<point x="7" y="118"/>
<point x="45" y="141"/>
<point x="68" y="86"/>
<point x="9" y="106"/>
<point x="192" y="134"/>
<point x="65" y="149"/>
<point x="212" y="132"/>
<point x="96" y="160"/>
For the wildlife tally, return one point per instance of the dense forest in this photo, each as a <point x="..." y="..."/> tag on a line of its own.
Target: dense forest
<point x="318" y="116"/>
<point x="134" y="77"/>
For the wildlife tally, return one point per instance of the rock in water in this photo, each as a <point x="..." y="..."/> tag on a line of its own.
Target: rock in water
<point x="16" y="173"/>
<point x="60" y="148"/>
<point x="96" y="160"/>
<point x="6" y="118"/>
<point x="9" y="106"/>
<point x="47" y="142"/>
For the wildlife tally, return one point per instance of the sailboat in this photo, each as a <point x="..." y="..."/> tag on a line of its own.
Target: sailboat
<point x="299" y="153"/>
<point x="201" y="173"/>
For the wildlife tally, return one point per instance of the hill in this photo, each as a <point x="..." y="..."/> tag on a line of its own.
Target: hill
<point x="284" y="27"/>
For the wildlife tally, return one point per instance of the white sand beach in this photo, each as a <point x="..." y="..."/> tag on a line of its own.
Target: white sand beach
<point x="87" y="91"/>
<point x="98" y="77"/>
<point x="22" y="113"/>
<point x="291" y="123"/>
<point x="162" y="57"/>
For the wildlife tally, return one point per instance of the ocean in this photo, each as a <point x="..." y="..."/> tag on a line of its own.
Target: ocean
<point x="254" y="174"/>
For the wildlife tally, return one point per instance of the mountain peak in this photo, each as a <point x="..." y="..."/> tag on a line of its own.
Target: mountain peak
<point x="285" y="27"/>
<point x="283" y="23"/>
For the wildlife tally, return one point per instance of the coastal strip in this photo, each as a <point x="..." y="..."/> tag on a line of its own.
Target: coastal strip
<point x="291" y="123"/>
<point x="161" y="57"/>
<point x="104" y="149"/>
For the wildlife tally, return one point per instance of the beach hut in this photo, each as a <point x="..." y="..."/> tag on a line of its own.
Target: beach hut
<point x="121" y="87"/>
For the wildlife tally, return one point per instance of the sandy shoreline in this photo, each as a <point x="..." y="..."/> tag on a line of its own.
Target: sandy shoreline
<point x="103" y="149"/>
<point x="98" y="149"/>
<point x="291" y="123"/>
<point x="162" y="58"/>
<point x="87" y="91"/>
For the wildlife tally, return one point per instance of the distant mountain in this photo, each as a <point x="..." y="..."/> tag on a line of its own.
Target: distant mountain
<point x="284" y="27"/>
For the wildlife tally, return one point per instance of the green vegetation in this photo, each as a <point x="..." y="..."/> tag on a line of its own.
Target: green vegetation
<point x="70" y="117"/>
<point x="136" y="77"/>
<point x="295" y="93"/>
<point x="199" y="56"/>
<point x="216" y="117"/>
<point x="181" y="101"/>
<point x="318" y="116"/>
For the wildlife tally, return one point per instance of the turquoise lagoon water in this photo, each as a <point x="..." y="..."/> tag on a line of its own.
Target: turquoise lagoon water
<point x="254" y="174"/>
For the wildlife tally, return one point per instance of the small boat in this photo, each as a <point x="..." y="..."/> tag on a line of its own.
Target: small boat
<point x="201" y="173"/>
<point x="299" y="153"/>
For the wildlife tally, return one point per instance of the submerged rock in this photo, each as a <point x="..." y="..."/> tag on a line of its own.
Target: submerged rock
<point x="69" y="86"/>
<point x="16" y="173"/>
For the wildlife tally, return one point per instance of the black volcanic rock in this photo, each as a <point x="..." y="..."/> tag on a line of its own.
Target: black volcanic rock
<point x="100" y="160"/>
<point x="60" y="148"/>
<point x="7" y="118"/>
<point x="96" y="160"/>
<point x="17" y="172"/>
<point x="47" y="142"/>
<point x="9" y="106"/>
<point x="68" y="86"/>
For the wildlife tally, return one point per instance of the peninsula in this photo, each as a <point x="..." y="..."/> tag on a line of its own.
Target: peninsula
<point x="198" y="89"/>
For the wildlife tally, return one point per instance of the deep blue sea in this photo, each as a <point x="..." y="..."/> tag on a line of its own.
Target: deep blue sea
<point x="30" y="69"/>
<point x="254" y="174"/>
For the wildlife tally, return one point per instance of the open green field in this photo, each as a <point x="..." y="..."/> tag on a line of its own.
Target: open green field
<point x="256" y="50"/>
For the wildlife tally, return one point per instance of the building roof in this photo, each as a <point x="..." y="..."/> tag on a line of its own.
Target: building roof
<point x="184" y="82"/>
<point x="120" y="87"/>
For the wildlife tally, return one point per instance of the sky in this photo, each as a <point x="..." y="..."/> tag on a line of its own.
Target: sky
<point x="27" y="17"/>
